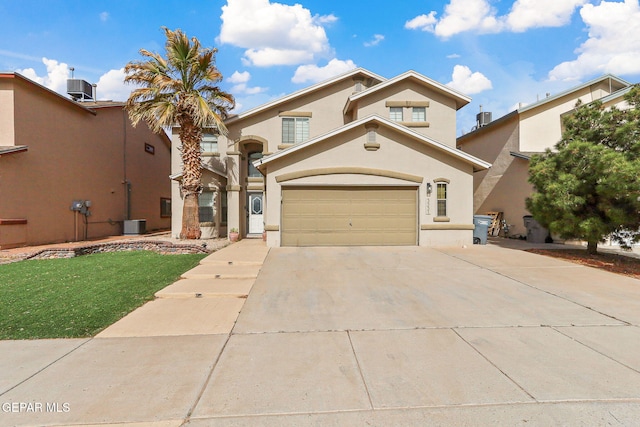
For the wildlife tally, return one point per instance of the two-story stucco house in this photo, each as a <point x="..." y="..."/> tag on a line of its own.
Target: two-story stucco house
<point x="509" y="141"/>
<point x="355" y="160"/>
<point x="56" y="153"/>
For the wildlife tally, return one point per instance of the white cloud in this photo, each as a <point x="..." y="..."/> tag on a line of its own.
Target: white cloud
<point x="465" y="15"/>
<point x="241" y="80"/>
<point x="377" y="38"/>
<point x="326" y="19"/>
<point x="478" y="15"/>
<point x="56" y="78"/>
<point x="104" y="16"/>
<point x="238" y="77"/>
<point x="274" y="33"/>
<point x="266" y="57"/>
<point x="467" y="82"/>
<point x="111" y="86"/>
<point x="312" y="73"/>
<point x="422" y="22"/>
<point x="453" y="56"/>
<point x="613" y="45"/>
<point x="527" y="14"/>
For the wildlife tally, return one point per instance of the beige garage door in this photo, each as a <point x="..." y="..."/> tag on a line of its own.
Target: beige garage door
<point x="349" y="216"/>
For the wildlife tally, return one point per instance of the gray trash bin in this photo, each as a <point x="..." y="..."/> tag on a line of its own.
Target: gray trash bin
<point x="482" y="224"/>
<point x="536" y="233"/>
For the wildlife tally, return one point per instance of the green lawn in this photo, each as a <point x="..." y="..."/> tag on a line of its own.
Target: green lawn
<point x="78" y="297"/>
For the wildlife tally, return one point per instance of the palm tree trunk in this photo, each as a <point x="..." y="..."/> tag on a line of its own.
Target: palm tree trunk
<point x="190" y="135"/>
<point x="190" y="217"/>
<point x="592" y="247"/>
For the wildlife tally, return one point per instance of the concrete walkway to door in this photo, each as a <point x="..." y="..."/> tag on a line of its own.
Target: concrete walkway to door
<point x="369" y="336"/>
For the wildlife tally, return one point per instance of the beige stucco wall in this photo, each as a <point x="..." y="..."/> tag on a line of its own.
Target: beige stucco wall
<point x="76" y="155"/>
<point x="541" y="127"/>
<point x="503" y="187"/>
<point x="440" y="114"/>
<point x="325" y="105"/>
<point x="397" y="153"/>
<point x="224" y="179"/>
<point x="262" y="131"/>
<point x="6" y="113"/>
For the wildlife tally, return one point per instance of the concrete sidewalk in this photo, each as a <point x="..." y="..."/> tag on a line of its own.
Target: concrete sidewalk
<point x="350" y="336"/>
<point x="147" y="368"/>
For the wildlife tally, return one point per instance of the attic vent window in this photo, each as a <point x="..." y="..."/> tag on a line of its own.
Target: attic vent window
<point x="358" y="85"/>
<point x="371" y="135"/>
<point x="370" y="143"/>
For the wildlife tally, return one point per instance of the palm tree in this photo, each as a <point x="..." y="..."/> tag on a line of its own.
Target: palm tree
<point x="181" y="90"/>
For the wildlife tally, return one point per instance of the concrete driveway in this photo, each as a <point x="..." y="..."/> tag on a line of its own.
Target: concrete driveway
<point x="371" y="336"/>
<point x="414" y="336"/>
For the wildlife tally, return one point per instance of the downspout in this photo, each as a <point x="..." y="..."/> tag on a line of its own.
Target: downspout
<point x="125" y="181"/>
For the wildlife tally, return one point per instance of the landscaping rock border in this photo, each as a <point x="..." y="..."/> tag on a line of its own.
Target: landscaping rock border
<point x="161" y="247"/>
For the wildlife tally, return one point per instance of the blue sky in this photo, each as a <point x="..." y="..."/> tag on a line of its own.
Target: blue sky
<point x="499" y="52"/>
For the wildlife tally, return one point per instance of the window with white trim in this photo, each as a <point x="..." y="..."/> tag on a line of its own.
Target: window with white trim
<point x="205" y="206"/>
<point x="395" y="114"/>
<point x="295" y="129"/>
<point x="209" y="143"/>
<point x="419" y="114"/>
<point x="441" y="198"/>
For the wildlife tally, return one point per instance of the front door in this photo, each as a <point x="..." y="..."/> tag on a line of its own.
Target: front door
<point x="256" y="221"/>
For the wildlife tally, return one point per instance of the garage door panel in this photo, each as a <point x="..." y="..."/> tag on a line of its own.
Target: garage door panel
<point x="349" y="216"/>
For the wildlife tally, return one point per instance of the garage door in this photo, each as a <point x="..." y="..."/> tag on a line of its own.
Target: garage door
<point x="349" y="216"/>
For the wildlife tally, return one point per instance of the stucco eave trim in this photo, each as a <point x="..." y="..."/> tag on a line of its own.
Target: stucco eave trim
<point x="13" y="149"/>
<point x="477" y="163"/>
<point x="349" y="170"/>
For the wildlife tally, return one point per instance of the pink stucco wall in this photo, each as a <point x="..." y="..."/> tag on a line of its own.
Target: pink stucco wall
<point x="76" y="153"/>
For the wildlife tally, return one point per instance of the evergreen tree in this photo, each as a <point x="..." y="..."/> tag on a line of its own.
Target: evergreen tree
<point x="588" y="187"/>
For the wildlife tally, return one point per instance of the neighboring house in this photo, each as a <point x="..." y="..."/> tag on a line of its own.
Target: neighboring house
<point x="54" y="151"/>
<point x="509" y="141"/>
<point x="355" y="160"/>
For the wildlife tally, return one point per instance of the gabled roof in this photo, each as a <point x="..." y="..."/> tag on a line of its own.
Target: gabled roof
<point x="461" y="155"/>
<point x="461" y="99"/>
<point x="622" y="87"/>
<point x="616" y="95"/>
<point x="305" y="91"/>
<point x="20" y="77"/>
<point x="616" y="84"/>
<point x="178" y="176"/>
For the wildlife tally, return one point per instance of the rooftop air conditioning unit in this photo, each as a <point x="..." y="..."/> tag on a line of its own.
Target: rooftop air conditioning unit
<point x="483" y="118"/>
<point x="79" y="89"/>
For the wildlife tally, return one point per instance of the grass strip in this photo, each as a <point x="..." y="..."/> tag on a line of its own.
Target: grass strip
<point x="78" y="297"/>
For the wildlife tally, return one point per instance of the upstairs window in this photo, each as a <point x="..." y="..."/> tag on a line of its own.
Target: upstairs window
<point x="295" y="129"/>
<point x="419" y="114"/>
<point x="209" y="143"/>
<point x="395" y="114"/>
